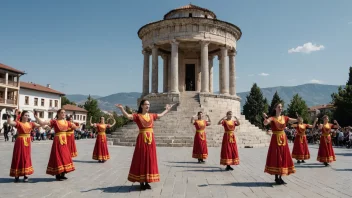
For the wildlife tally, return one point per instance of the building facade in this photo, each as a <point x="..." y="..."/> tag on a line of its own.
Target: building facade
<point x="9" y="90"/>
<point x="79" y="114"/>
<point x="43" y="99"/>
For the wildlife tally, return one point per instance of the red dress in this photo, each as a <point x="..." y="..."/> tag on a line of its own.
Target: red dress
<point x="279" y="160"/>
<point x="229" y="152"/>
<point x="300" y="149"/>
<point x="144" y="166"/>
<point x="101" y="151"/>
<point x="200" y="148"/>
<point x="326" y="152"/>
<point x="60" y="160"/>
<point x="71" y="143"/>
<point x="21" y="159"/>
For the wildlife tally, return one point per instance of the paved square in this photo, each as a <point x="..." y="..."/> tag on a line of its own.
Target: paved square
<point x="181" y="176"/>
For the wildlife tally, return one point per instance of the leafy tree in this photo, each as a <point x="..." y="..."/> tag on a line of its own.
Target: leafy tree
<point x="298" y="105"/>
<point x="255" y="106"/>
<point x="91" y="105"/>
<point x="65" y="101"/>
<point x="276" y="99"/>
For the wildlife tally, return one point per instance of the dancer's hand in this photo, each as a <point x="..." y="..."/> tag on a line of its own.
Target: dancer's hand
<point x="119" y="106"/>
<point x="168" y="106"/>
<point x="265" y="116"/>
<point x="335" y="122"/>
<point x="316" y="119"/>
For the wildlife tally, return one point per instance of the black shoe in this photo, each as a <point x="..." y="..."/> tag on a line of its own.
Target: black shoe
<point x="303" y="161"/>
<point x="202" y="161"/>
<point x="282" y="181"/>
<point x="326" y="164"/>
<point x="278" y="182"/>
<point x="58" y="178"/>
<point x="17" y="179"/>
<point x="199" y="160"/>
<point x="25" y="179"/>
<point x="99" y="161"/>
<point x="298" y="161"/>
<point x="231" y="168"/>
<point x="103" y="161"/>
<point x="147" y="186"/>
<point x="227" y="168"/>
<point x="143" y="186"/>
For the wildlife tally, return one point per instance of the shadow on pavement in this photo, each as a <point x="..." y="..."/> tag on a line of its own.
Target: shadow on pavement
<point x="116" y="189"/>
<point x="88" y="162"/>
<point x="246" y="184"/>
<point x="30" y="180"/>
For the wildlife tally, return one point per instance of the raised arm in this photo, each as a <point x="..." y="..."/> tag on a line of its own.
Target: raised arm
<point x="220" y="121"/>
<point x="238" y="122"/>
<point x="127" y="115"/>
<point x="111" y="125"/>
<point x="336" y="124"/>
<point x="209" y="121"/>
<point x="192" y="119"/>
<point x="292" y="120"/>
<point x="90" y="122"/>
<point x="10" y="122"/>
<point x="167" y="109"/>
<point x="266" y="119"/>
<point x="40" y="121"/>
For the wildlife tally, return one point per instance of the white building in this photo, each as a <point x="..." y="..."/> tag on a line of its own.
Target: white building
<point x="79" y="114"/>
<point x="43" y="99"/>
<point x="9" y="88"/>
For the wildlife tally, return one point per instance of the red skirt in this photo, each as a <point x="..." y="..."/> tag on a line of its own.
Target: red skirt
<point x="300" y="148"/>
<point x="229" y="152"/>
<point x="101" y="151"/>
<point x="200" y="148"/>
<point x="326" y="152"/>
<point x="60" y="160"/>
<point x="144" y="166"/>
<point x="21" y="159"/>
<point x="71" y="144"/>
<point x="279" y="160"/>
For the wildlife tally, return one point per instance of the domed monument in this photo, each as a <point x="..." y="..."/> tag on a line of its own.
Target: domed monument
<point x="188" y="39"/>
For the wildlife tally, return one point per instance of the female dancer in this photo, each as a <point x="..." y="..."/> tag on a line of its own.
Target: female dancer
<point x="21" y="159"/>
<point x="229" y="152"/>
<point x="200" y="148"/>
<point x="300" y="149"/>
<point x="144" y="166"/>
<point x="279" y="161"/>
<point x="71" y="143"/>
<point x="101" y="152"/>
<point x="60" y="161"/>
<point x="326" y="152"/>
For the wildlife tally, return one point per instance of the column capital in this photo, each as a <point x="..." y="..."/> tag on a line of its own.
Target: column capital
<point x="146" y="52"/>
<point x="225" y="47"/>
<point x="153" y="46"/>
<point x="211" y="57"/>
<point x="174" y="42"/>
<point x="204" y="43"/>
<point x="232" y="53"/>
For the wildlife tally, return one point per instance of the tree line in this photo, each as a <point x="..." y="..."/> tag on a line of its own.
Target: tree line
<point x="256" y="104"/>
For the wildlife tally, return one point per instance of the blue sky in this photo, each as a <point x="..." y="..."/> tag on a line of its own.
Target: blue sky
<point x="92" y="47"/>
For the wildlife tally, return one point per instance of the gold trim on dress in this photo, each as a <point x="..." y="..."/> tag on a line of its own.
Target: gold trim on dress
<point x="231" y="136"/>
<point x="147" y="139"/>
<point x="62" y="137"/>
<point x="25" y="138"/>
<point x="280" y="138"/>
<point x="201" y="134"/>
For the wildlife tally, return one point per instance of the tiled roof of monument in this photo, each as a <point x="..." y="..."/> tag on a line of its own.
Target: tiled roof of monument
<point x="5" y="67"/>
<point x="190" y="7"/>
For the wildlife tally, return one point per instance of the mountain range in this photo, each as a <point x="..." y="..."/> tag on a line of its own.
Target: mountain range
<point x="313" y="94"/>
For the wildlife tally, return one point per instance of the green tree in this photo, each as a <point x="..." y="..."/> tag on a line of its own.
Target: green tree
<point x="299" y="106"/>
<point x="276" y="99"/>
<point x="255" y="106"/>
<point x="65" y="101"/>
<point x="349" y="82"/>
<point x="91" y="105"/>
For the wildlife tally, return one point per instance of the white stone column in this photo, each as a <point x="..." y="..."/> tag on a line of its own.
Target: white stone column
<point x="198" y="71"/>
<point x="181" y="72"/>
<point x="204" y="66"/>
<point x="6" y="78"/>
<point x="174" y="67"/>
<point x="220" y="72"/>
<point x="169" y="73"/>
<point x="224" y="86"/>
<point x="232" y="74"/>
<point x="5" y="95"/>
<point x="211" y="87"/>
<point x="155" y="55"/>
<point x="165" y="73"/>
<point x="146" y="72"/>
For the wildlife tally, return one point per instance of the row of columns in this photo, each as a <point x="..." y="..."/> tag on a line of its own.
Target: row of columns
<point x="171" y="70"/>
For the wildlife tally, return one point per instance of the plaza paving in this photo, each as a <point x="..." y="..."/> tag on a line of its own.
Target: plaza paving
<point x="181" y="176"/>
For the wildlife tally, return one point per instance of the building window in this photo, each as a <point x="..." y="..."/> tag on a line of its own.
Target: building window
<point x="51" y="103"/>
<point x="190" y="15"/>
<point x="75" y="117"/>
<point x="41" y="114"/>
<point x="84" y="118"/>
<point x="80" y="117"/>
<point x="56" y="103"/>
<point x="51" y="115"/>
<point x="206" y="16"/>
<point x="26" y="100"/>
<point x="42" y="102"/>
<point x="35" y="101"/>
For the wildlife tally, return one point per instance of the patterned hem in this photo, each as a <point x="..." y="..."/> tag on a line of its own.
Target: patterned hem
<point x="144" y="178"/>
<point x="101" y="157"/>
<point x="229" y="161"/>
<point x="21" y="172"/>
<point x="279" y="171"/>
<point x="200" y="156"/>
<point x="301" y="157"/>
<point x="75" y="154"/>
<point x="61" y="169"/>
<point x="326" y="159"/>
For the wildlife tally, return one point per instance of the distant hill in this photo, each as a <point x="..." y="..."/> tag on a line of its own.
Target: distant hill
<point x="313" y="94"/>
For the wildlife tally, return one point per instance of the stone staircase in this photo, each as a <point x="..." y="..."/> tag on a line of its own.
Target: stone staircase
<point x="175" y="128"/>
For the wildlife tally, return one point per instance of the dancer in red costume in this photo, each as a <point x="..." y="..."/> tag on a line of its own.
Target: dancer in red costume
<point x="21" y="159"/>
<point x="144" y="166"/>
<point x="71" y="143"/>
<point x="200" y="148"/>
<point x="101" y="152"/>
<point x="300" y="149"/>
<point x="279" y="161"/>
<point x="229" y="153"/>
<point x="326" y="152"/>
<point x="60" y="161"/>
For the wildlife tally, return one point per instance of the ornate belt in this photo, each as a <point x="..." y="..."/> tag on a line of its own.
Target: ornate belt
<point x="230" y="136"/>
<point x="147" y="139"/>
<point x="25" y="138"/>
<point x="325" y="134"/>
<point x="301" y="136"/>
<point x="70" y="133"/>
<point x="280" y="137"/>
<point x="201" y="134"/>
<point x="62" y="137"/>
<point x="102" y="133"/>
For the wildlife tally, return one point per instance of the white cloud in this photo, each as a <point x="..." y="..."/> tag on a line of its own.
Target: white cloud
<point x="263" y="74"/>
<point x="316" y="81"/>
<point x="306" y="48"/>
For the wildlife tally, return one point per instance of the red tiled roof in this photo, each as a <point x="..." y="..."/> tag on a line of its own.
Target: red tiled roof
<point x="327" y="106"/>
<point x="189" y="7"/>
<point x="37" y="87"/>
<point x="69" y="107"/>
<point x="5" y="67"/>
